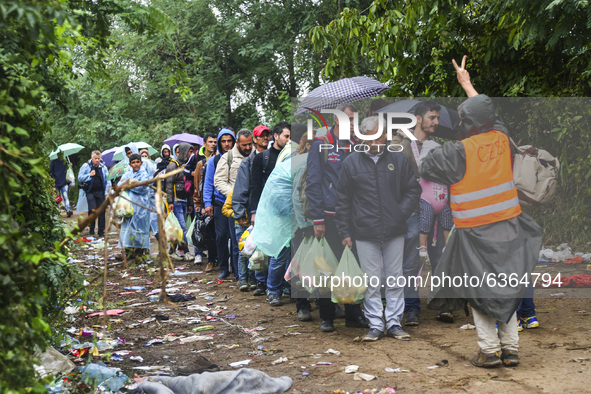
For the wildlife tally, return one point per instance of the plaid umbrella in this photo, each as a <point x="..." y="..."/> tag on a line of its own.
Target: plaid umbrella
<point x="118" y="170"/>
<point x="346" y="90"/>
<point x="448" y="118"/>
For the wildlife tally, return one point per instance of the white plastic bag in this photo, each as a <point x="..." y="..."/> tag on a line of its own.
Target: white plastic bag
<point x="123" y="208"/>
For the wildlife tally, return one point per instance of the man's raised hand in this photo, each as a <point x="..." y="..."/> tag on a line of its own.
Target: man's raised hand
<point x="464" y="77"/>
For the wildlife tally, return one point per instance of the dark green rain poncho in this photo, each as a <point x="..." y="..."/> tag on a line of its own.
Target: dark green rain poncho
<point x="509" y="247"/>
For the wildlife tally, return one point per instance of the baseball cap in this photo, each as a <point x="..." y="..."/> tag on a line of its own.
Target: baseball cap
<point x="259" y="130"/>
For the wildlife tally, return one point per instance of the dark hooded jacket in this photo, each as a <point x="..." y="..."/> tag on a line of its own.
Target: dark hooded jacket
<point x="175" y="185"/>
<point x="508" y="248"/>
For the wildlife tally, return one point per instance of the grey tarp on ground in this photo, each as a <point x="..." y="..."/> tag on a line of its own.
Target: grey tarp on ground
<point x="244" y="381"/>
<point x="506" y="247"/>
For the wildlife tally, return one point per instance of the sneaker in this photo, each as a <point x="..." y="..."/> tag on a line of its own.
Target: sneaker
<point x="209" y="267"/>
<point x="189" y="257"/>
<point x="530" y="322"/>
<point x="260" y="290"/>
<point x="509" y="358"/>
<point x="412" y="317"/>
<point x="177" y="256"/>
<point x="398" y="333"/>
<point x="286" y="293"/>
<point x="244" y="286"/>
<point x="70" y="213"/>
<point x="519" y="326"/>
<point x="274" y="299"/>
<point x="445" y="316"/>
<point x="486" y="360"/>
<point x="327" y="326"/>
<point x="253" y="285"/>
<point x="373" y="335"/>
<point x="304" y="314"/>
<point x="198" y="259"/>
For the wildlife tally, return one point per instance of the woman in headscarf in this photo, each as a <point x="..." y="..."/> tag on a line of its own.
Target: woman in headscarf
<point x="135" y="231"/>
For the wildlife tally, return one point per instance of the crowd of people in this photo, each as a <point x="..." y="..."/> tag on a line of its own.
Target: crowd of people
<point x="383" y="205"/>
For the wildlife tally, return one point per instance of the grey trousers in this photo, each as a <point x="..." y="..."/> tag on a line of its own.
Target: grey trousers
<point x="383" y="262"/>
<point x="489" y="340"/>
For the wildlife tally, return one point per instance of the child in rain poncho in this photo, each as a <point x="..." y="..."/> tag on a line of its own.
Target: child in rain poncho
<point x="135" y="231"/>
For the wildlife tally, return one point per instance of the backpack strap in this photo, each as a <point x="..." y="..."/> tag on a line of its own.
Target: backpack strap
<point x="230" y="160"/>
<point x="266" y="157"/>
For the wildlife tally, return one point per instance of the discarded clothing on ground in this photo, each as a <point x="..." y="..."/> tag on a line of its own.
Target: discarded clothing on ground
<point x="244" y="380"/>
<point x="181" y="297"/>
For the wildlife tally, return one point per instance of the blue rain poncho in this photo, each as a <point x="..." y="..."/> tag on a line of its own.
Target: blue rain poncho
<point x="135" y="231"/>
<point x="272" y="229"/>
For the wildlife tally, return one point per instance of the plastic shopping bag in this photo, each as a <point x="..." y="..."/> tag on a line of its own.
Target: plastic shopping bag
<point x="203" y="232"/>
<point x="315" y="269"/>
<point x="190" y="229"/>
<point x="173" y="229"/>
<point x="123" y="208"/>
<point x="70" y="178"/>
<point x="350" y="286"/>
<point x="298" y="258"/>
<point x="258" y="261"/>
<point x="249" y="247"/>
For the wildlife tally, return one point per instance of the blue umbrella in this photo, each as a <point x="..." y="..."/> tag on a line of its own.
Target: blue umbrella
<point x="448" y="118"/>
<point x="343" y="91"/>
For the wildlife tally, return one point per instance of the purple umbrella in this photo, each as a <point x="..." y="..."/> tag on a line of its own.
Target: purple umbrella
<point x="107" y="156"/>
<point x="184" y="137"/>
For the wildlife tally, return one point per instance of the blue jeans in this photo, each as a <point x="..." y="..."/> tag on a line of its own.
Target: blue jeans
<point x="527" y="308"/>
<point x="64" y="193"/>
<point x="277" y="267"/>
<point x="222" y="236"/>
<point x="410" y="262"/>
<point x="180" y="211"/>
<point x="234" y="251"/>
<point x="246" y="275"/>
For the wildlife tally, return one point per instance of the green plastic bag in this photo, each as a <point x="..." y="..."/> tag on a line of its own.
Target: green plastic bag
<point x="190" y="228"/>
<point x="173" y="229"/>
<point x="258" y="261"/>
<point x="348" y="282"/>
<point x="318" y="265"/>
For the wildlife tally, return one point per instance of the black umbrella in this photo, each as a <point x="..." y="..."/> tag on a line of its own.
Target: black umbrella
<point x="448" y="118"/>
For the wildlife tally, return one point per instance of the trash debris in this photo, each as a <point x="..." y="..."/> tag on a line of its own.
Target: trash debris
<point x="100" y="374"/>
<point x="351" y="368"/>
<point x="155" y="341"/>
<point x="363" y="376"/>
<point x="230" y="316"/>
<point x="139" y="359"/>
<point x="195" y="338"/>
<point x="574" y="260"/>
<point x="305" y="373"/>
<point x="203" y="328"/>
<point x="198" y="308"/>
<point x="442" y="363"/>
<point x="468" y="327"/>
<point x="181" y="297"/>
<point x="110" y="312"/>
<point x="323" y="363"/>
<point x="162" y="317"/>
<point x="135" y="288"/>
<point x="579" y="360"/>
<point x="279" y="360"/>
<point x="53" y="362"/>
<point x="332" y="351"/>
<point x="556" y="294"/>
<point x="395" y="370"/>
<point x="239" y="364"/>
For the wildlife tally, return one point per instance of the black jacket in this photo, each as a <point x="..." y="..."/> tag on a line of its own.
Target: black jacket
<point x="175" y="185"/>
<point x="374" y="200"/>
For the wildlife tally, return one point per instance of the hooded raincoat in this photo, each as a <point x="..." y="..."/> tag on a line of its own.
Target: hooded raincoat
<point x="84" y="176"/>
<point x="135" y="231"/>
<point x="490" y="252"/>
<point x="210" y="193"/>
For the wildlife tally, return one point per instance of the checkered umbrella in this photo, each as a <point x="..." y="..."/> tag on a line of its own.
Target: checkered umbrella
<point x="346" y="90"/>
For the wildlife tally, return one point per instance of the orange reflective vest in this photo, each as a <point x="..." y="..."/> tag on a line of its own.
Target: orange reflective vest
<point x="487" y="193"/>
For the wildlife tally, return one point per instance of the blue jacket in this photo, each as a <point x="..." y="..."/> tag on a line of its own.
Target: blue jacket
<point x="84" y="175"/>
<point x="209" y="190"/>
<point x="323" y="177"/>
